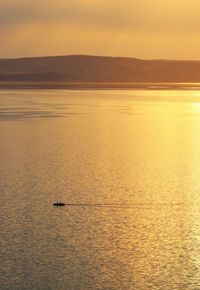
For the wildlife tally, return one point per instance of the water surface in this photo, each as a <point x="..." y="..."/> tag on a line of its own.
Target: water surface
<point x="128" y="162"/>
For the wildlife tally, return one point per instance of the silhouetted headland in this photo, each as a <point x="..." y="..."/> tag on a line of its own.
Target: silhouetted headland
<point x="97" y="72"/>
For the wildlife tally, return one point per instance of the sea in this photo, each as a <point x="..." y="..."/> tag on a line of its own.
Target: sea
<point x="126" y="163"/>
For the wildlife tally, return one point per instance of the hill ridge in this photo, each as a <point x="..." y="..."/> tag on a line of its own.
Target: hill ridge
<point x="91" y="68"/>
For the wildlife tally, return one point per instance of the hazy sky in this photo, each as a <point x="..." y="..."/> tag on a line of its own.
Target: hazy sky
<point x="138" y="28"/>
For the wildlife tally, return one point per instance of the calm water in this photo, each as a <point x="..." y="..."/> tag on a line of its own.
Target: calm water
<point x="130" y="160"/>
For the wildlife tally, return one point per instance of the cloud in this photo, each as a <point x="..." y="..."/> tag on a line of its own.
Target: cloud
<point x="144" y="15"/>
<point x="169" y="29"/>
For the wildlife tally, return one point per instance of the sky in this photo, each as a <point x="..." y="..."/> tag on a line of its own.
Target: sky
<point x="148" y="29"/>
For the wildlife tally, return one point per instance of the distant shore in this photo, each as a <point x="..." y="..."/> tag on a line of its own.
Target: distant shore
<point x="98" y="86"/>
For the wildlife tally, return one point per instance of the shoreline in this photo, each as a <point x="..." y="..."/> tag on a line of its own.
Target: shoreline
<point x="98" y="86"/>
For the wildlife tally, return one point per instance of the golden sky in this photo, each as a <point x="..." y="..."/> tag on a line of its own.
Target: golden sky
<point x="137" y="28"/>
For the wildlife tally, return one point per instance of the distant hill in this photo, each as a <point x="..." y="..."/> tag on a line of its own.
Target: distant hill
<point x="83" y="68"/>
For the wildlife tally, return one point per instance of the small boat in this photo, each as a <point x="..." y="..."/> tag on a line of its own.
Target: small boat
<point x="59" y="204"/>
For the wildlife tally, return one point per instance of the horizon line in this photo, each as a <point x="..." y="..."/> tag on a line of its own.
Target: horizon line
<point x="100" y="56"/>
